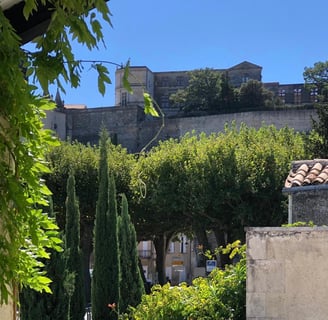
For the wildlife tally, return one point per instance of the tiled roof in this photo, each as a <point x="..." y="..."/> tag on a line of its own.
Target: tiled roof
<point x="308" y="173"/>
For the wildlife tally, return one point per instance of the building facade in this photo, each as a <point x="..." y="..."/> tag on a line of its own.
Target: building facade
<point x="161" y="85"/>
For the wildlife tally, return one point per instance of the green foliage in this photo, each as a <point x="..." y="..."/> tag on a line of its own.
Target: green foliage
<point x="209" y="90"/>
<point x="149" y="105"/>
<point x="202" y="92"/>
<point x="131" y="285"/>
<point x="36" y="305"/>
<point x="316" y="77"/>
<point x="253" y="95"/>
<point x="220" y="296"/>
<point x="54" y="61"/>
<point x="76" y="301"/>
<point x="106" y="273"/>
<point x="222" y="182"/>
<point x="317" y="140"/>
<point x="26" y="231"/>
<point x="83" y="160"/>
<point x="299" y="224"/>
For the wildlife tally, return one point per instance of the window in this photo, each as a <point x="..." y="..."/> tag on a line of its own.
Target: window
<point x="245" y="78"/>
<point x="314" y="95"/>
<point x="297" y="96"/>
<point x="165" y="81"/>
<point x="164" y="101"/>
<point x="180" y="81"/>
<point x="124" y="98"/>
<point x="282" y="94"/>
<point x="171" y="247"/>
<point x="183" y="244"/>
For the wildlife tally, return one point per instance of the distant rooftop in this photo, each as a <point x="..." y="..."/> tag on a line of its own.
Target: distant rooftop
<point x="75" y="106"/>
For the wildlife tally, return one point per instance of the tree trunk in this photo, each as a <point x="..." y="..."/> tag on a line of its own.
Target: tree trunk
<point x="161" y="243"/>
<point x="222" y="240"/>
<point x="86" y="246"/>
<point x="203" y="241"/>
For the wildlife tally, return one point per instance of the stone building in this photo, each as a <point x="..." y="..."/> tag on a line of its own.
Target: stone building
<point x="161" y="85"/>
<point x="130" y="127"/>
<point x="307" y="189"/>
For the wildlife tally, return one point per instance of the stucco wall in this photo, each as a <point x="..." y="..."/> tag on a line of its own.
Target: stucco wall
<point x="7" y="311"/>
<point x="286" y="273"/>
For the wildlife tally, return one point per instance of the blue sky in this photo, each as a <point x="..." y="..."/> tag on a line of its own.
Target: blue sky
<point x="281" y="36"/>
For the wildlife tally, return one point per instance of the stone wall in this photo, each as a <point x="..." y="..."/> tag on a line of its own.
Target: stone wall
<point x="56" y="121"/>
<point x="286" y="273"/>
<point x="311" y="204"/>
<point x="133" y="130"/>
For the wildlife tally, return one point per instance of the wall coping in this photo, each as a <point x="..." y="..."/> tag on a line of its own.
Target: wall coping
<point x="305" y="188"/>
<point x="285" y="229"/>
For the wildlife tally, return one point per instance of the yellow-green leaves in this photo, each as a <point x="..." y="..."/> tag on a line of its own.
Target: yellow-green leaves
<point x="149" y="106"/>
<point x="125" y="79"/>
<point x="148" y="102"/>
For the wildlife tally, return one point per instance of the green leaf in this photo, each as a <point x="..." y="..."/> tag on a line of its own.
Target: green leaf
<point x="125" y="80"/>
<point x="103" y="77"/>
<point x="149" y="106"/>
<point x="29" y="6"/>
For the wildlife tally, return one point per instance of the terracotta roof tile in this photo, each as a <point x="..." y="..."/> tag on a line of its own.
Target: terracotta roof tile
<point x="307" y="172"/>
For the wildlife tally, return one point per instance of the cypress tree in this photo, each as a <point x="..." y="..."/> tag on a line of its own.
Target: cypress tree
<point x="131" y="286"/>
<point x="76" y="301"/>
<point x="106" y="271"/>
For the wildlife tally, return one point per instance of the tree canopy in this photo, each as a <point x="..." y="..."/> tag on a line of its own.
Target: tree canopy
<point x="252" y="94"/>
<point x="316" y="79"/>
<point x="222" y="182"/>
<point x="210" y="91"/>
<point x="207" y="90"/>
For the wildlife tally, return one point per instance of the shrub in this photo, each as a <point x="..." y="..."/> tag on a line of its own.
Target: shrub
<point x="221" y="296"/>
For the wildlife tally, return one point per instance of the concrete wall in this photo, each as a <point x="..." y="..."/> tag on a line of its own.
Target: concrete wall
<point x="286" y="273"/>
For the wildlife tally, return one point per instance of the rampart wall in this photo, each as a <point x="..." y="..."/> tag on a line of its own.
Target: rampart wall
<point x="133" y="130"/>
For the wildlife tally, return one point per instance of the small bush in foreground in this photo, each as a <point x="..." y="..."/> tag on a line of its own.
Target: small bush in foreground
<point x="221" y="296"/>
